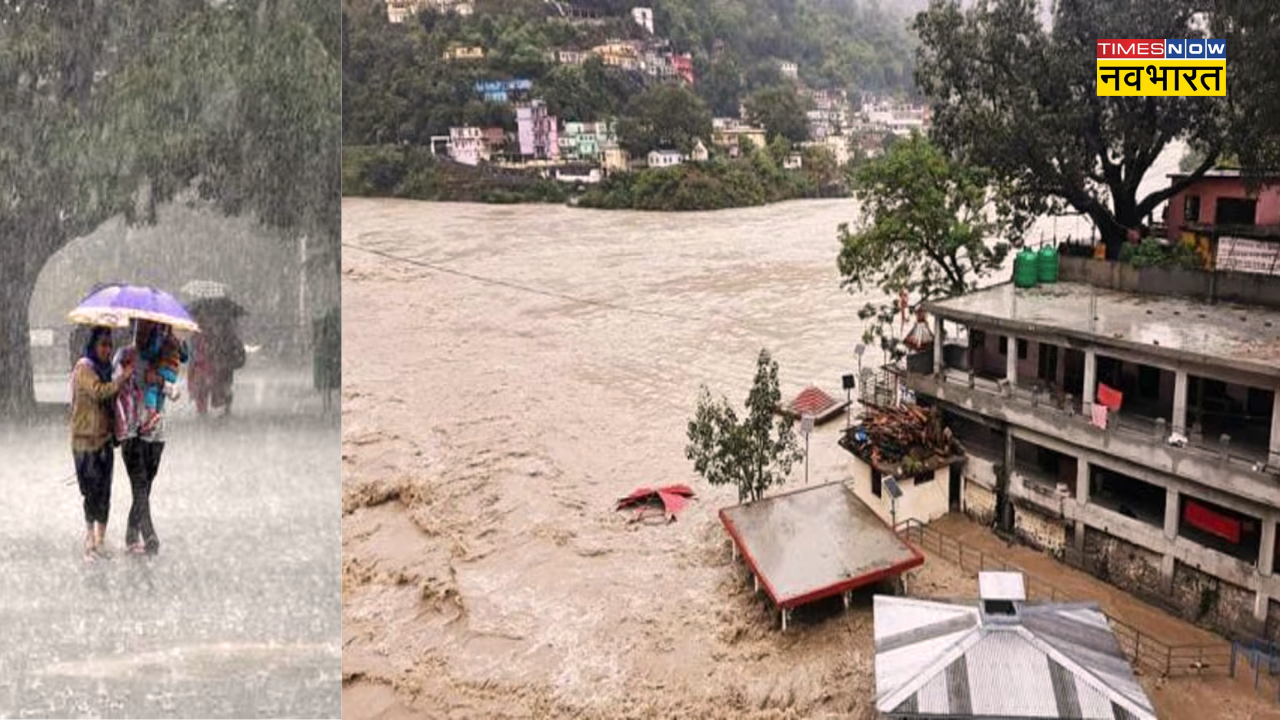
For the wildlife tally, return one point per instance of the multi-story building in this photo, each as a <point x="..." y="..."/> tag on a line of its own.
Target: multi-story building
<point x="400" y="10"/>
<point x="614" y="159"/>
<point x="585" y="141"/>
<point x="789" y="70"/>
<point x="682" y="67"/>
<point x="1233" y="226"/>
<point x="643" y="17"/>
<point x="466" y="145"/>
<point x="464" y="53"/>
<point x="569" y="57"/>
<point x="1127" y="421"/>
<point x="665" y="158"/>
<point x="619" y="54"/>
<point x="538" y="132"/>
<point x="504" y="91"/>
<point x="732" y="134"/>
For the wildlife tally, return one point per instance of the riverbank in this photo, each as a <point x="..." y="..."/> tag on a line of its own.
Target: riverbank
<point x="413" y="173"/>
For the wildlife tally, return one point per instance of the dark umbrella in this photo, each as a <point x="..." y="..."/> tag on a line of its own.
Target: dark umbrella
<point x="216" y="307"/>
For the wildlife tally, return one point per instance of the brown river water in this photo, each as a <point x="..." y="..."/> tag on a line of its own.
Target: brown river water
<point x="495" y="407"/>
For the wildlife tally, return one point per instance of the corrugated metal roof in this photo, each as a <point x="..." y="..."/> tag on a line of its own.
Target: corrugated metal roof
<point x="1056" y="661"/>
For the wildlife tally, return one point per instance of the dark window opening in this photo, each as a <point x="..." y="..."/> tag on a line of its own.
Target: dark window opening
<point x="1022" y="349"/>
<point x="875" y="482"/>
<point x="1004" y="345"/>
<point x="1049" y="363"/>
<point x="1191" y="208"/>
<point x="999" y="607"/>
<point x="1148" y="382"/>
<point x="1236" y="211"/>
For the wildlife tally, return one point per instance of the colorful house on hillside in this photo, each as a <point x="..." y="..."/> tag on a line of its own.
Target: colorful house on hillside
<point x="1234" y="228"/>
<point x="466" y="145"/>
<point x="504" y="91"/>
<point x="665" y="158"/>
<point x="585" y="141"/>
<point x="618" y="54"/>
<point x="682" y="65"/>
<point x="538" y="132"/>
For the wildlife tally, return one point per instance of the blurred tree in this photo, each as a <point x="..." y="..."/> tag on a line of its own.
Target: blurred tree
<point x="115" y="108"/>
<point x="781" y="111"/>
<point x="664" y="116"/>
<point x="926" y="230"/>
<point x="754" y="454"/>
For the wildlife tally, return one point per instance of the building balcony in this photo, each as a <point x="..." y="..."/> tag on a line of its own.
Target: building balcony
<point x="1129" y="438"/>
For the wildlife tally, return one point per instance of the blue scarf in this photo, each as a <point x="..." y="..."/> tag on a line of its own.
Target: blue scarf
<point x="103" y="369"/>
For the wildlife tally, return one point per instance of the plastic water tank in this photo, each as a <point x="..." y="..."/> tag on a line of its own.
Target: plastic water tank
<point x="1047" y="264"/>
<point x="1024" y="269"/>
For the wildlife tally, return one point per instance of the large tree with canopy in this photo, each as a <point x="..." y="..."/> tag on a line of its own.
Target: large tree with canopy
<point x="114" y="108"/>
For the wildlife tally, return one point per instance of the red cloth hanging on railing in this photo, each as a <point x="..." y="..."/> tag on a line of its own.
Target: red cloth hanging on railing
<point x="1110" y="397"/>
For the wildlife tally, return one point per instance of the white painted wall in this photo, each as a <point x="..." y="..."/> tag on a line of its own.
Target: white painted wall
<point x="924" y="502"/>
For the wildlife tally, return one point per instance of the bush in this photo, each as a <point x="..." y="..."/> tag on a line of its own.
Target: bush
<point x="1152" y="253"/>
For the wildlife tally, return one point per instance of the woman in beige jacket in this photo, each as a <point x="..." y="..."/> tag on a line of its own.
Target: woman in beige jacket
<point x="91" y="433"/>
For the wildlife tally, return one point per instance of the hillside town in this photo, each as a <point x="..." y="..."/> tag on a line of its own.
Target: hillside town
<point x="565" y="148"/>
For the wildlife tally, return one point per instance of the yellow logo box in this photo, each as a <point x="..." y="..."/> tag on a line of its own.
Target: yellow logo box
<point x="1144" y="77"/>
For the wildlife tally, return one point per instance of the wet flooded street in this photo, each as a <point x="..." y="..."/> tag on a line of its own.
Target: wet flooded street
<point x="237" y="616"/>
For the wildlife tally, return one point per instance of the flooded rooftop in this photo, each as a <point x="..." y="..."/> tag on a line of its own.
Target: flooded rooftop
<point x="1245" y="337"/>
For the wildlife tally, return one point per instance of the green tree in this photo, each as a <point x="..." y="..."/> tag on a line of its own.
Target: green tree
<point x="781" y="111"/>
<point x="1251" y="31"/>
<point x="1018" y="98"/>
<point x="929" y="226"/>
<point x="664" y="116"/>
<point x="113" y="108"/>
<point x="754" y="454"/>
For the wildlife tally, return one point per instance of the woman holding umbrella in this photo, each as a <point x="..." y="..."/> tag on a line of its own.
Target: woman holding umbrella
<point x="92" y="388"/>
<point x="142" y="441"/>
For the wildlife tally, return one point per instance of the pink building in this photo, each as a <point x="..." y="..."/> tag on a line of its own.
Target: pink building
<point x="538" y="132"/>
<point x="1220" y="198"/>
<point x="683" y="67"/>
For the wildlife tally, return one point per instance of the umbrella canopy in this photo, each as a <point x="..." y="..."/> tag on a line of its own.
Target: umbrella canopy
<point x="116" y="305"/>
<point x="216" y="307"/>
<point x="205" y="289"/>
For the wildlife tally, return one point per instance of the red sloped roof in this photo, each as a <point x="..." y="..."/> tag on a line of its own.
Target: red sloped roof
<point x="812" y="401"/>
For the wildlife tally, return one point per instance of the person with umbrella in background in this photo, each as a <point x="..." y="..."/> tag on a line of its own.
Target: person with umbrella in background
<point x="218" y="351"/>
<point x="92" y="388"/>
<point x="142" y="442"/>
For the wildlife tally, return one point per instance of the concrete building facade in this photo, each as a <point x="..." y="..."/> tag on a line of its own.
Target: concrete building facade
<point x="1173" y="490"/>
<point x="538" y="132"/>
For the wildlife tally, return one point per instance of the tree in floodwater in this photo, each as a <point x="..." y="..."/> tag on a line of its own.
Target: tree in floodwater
<point x="754" y="454"/>
<point x="116" y="108"/>
<point x="931" y="228"/>
<point x="1021" y="99"/>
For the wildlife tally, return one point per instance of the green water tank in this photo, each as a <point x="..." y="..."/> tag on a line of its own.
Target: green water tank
<point x="1024" y="269"/>
<point x="1047" y="264"/>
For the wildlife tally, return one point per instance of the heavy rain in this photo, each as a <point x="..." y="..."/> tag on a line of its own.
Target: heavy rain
<point x="169" y="359"/>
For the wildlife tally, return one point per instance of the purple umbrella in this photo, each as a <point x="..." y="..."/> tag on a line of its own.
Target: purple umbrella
<point x="115" y="305"/>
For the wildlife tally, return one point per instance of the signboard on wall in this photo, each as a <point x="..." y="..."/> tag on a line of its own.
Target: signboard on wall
<point x="1251" y="256"/>
<point x="41" y="337"/>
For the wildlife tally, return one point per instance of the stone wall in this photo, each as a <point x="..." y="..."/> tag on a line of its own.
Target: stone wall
<point x="1040" y="531"/>
<point x="1127" y="566"/>
<point x="1208" y="601"/>
<point x="979" y="503"/>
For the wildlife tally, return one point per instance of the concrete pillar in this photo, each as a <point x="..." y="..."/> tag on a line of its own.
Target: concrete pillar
<point x="1267" y="553"/>
<point x="1180" y="402"/>
<point x="1090" y="391"/>
<point x="1082" y="482"/>
<point x="937" y="346"/>
<point x="1171" y="514"/>
<point x="1011" y="360"/>
<point x="1261" y="601"/>
<point x="1273" y="457"/>
<point x="1167" y="564"/>
<point x="1080" y="531"/>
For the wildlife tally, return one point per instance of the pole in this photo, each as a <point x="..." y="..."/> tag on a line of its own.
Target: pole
<point x="806" y="458"/>
<point x="848" y="409"/>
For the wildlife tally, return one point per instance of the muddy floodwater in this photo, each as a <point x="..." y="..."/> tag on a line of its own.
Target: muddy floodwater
<point x="509" y="373"/>
<point x="493" y="413"/>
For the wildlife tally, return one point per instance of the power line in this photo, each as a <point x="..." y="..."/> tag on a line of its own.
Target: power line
<point x="517" y="286"/>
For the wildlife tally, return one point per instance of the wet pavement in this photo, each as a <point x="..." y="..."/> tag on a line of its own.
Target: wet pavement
<point x="240" y="613"/>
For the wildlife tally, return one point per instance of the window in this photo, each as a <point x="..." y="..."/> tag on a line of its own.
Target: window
<point x="1022" y="349"/>
<point x="1048" y="363"/>
<point x="1004" y="345"/>
<point x="1235" y="211"/>
<point x="875" y="482"/>
<point x="1191" y="208"/>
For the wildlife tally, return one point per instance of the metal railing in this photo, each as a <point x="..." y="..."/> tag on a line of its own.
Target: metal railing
<point x="1147" y="653"/>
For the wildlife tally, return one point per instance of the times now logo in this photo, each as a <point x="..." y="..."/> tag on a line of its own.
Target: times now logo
<point x="1162" y="50"/>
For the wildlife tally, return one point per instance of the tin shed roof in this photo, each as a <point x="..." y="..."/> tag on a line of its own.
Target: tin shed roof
<point x="1058" y="660"/>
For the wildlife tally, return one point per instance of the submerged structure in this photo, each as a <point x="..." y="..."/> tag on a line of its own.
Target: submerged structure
<point x="1001" y="658"/>
<point x="815" y="543"/>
